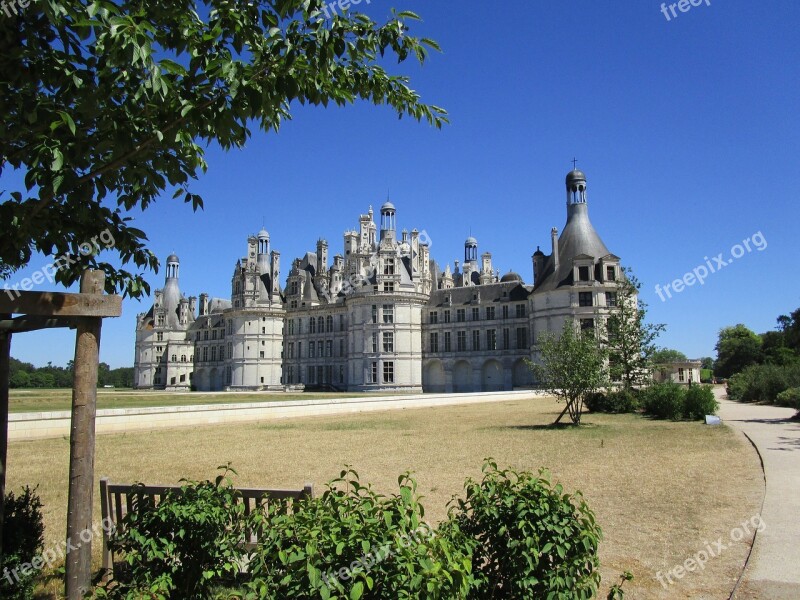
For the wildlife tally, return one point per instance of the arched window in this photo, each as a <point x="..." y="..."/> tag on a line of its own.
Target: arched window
<point x="174" y="358"/>
<point x="329" y="321"/>
<point x="312" y="325"/>
<point x="183" y="358"/>
<point x="321" y="325"/>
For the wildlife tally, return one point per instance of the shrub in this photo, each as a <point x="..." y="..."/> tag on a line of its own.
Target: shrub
<point x="699" y="401"/>
<point x="354" y="543"/>
<point x="185" y="546"/>
<point x="618" y="401"/>
<point x="790" y="398"/>
<point x="23" y="540"/>
<point x="763" y="383"/>
<point x="530" y="539"/>
<point x="665" y="400"/>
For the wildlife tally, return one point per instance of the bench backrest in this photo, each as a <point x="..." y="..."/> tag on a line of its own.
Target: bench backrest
<point x="117" y="499"/>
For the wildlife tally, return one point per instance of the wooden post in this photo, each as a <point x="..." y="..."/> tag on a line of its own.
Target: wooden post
<point x="82" y="438"/>
<point x="5" y="359"/>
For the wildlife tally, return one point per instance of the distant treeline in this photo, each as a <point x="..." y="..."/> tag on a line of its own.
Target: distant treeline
<point x="25" y="375"/>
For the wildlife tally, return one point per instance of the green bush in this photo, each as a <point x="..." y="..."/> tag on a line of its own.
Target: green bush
<point x="665" y="400"/>
<point x="615" y="402"/>
<point x="790" y="398"/>
<point x="763" y="383"/>
<point x="23" y="541"/>
<point x="699" y="402"/>
<point x="184" y="547"/>
<point x="351" y="542"/>
<point x="529" y="538"/>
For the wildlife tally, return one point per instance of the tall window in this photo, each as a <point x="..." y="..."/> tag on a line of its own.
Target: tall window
<point x="433" y="317"/>
<point x="311" y="349"/>
<point x="490" y="313"/>
<point x="329" y="321"/>
<point x="447" y="316"/>
<point x="522" y="338"/>
<point x="681" y="375"/>
<point x="321" y="325"/>
<point x="584" y="298"/>
<point x="213" y="353"/>
<point x="611" y="299"/>
<point x="447" y="345"/>
<point x="476" y="313"/>
<point x="329" y="348"/>
<point x="505" y="311"/>
<point x="312" y="325"/>
<point x="320" y="349"/>
<point x="476" y="340"/>
<point x="461" y="315"/>
<point x="461" y="341"/>
<point x="388" y="313"/>
<point x="372" y="373"/>
<point x="583" y="273"/>
<point x="160" y="336"/>
<point x="434" y="342"/>
<point x="491" y="339"/>
<point x="374" y="313"/>
<point x="375" y="342"/>
<point x="506" y="339"/>
<point x="160" y="320"/>
<point x="388" y="372"/>
<point x="388" y="266"/>
<point x="388" y="341"/>
<point x="520" y="310"/>
<point x="291" y="350"/>
<point x="341" y="347"/>
<point x="611" y="273"/>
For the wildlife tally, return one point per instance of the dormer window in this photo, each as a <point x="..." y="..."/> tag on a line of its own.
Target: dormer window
<point x="611" y="273"/>
<point x="583" y="273"/>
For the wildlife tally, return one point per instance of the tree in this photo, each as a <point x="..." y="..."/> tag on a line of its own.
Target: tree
<point x="629" y="339"/>
<point x="738" y="347"/>
<point x="572" y="366"/>
<point x="20" y="379"/>
<point x="106" y="105"/>
<point x="667" y="355"/>
<point x="790" y="328"/>
<point x="707" y="363"/>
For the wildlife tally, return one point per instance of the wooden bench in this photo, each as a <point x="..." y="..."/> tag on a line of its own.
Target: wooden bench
<point x="117" y="499"/>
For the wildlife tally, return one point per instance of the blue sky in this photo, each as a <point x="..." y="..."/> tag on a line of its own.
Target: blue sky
<point x="687" y="131"/>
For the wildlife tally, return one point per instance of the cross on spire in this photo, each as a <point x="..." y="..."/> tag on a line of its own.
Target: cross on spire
<point x="574" y="163"/>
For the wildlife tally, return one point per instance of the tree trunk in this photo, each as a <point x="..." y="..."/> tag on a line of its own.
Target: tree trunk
<point x="5" y="360"/>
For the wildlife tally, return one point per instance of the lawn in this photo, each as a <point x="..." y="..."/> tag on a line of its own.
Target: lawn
<point x="662" y="491"/>
<point x="61" y="399"/>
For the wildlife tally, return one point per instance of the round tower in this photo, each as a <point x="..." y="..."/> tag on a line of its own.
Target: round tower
<point x="388" y="224"/>
<point x="576" y="187"/>
<point x="173" y="266"/>
<point x="471" y="250"/>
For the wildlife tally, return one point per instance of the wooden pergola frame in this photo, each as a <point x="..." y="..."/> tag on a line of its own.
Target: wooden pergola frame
<point x="83" y="312"/>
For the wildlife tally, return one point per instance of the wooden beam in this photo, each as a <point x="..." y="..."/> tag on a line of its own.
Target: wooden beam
<point x="26" y="323"/>
<point x="60" y="304"/>
<point x="5" y="359"/>
<point x="82" y="440"/>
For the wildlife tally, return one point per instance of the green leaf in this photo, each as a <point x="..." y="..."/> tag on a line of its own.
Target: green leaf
<point x="357" y="590"/>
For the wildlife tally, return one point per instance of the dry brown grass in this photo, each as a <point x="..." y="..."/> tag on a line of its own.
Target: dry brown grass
<point x="660" y="490"/>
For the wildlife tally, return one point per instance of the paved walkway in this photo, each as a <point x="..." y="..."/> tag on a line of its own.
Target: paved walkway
<point x="773" y="572"/>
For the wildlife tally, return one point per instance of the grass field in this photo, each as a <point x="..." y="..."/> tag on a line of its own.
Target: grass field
<point x="61" y="399"/>
<point x="661" y="490"/>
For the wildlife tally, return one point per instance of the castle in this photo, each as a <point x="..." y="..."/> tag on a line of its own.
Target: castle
<point x="380" y="317"/>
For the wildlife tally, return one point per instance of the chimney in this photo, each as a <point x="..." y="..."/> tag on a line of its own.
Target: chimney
<point x="554" y="239"/>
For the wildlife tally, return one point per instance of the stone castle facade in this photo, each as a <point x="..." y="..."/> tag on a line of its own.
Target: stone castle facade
<point x="382" y="316"/>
